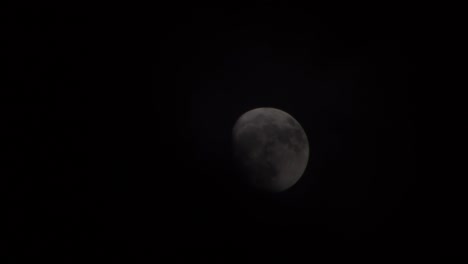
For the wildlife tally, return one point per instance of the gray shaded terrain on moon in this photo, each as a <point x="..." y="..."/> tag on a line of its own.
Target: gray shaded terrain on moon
<point x="271" y="149"/>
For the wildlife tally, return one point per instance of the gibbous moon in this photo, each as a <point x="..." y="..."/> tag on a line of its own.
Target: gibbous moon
<point x="271" y="149"/>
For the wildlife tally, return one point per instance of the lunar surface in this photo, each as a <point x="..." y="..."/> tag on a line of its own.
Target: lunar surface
<point x="271" y="149"/>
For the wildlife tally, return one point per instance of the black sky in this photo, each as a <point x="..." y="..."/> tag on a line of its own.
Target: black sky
<point x="122" y="122"/>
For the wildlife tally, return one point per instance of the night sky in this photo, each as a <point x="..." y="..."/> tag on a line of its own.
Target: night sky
<point x="121" y="133"/>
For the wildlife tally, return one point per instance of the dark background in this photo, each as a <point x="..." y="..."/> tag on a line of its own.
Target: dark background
<point x="119" y="122"/>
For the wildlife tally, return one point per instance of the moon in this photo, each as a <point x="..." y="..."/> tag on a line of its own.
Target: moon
<point x="271" y="149"/>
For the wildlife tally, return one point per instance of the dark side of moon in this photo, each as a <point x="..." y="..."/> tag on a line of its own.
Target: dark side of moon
<point x="270" y="148"/>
